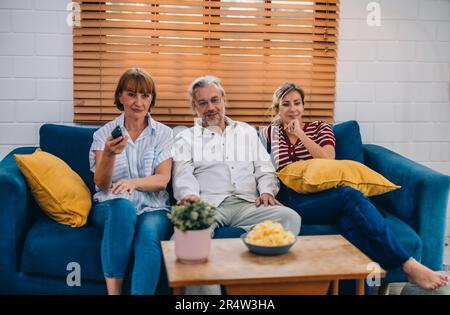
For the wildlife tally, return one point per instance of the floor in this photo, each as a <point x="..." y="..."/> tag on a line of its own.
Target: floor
<point x="447" y="254"/>
<point x="396" y="288"/>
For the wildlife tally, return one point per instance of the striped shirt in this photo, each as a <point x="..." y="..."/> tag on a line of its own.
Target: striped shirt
<point x="284" y="152"/>
<point x="138" y="160"/>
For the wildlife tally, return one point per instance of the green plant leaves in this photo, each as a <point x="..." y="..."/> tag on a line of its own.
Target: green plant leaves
<point x="193" y="215"/>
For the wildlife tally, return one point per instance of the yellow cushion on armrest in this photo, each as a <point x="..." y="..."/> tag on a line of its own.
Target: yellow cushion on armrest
<point x="59" y="191"/>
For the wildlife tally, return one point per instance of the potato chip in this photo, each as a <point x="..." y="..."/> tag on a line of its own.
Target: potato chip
<point x="269" y="233"/>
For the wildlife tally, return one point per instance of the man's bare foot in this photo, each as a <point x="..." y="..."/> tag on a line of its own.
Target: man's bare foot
<point x="423" y="276"/>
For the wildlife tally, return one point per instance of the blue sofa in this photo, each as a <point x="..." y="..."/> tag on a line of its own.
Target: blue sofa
<point x="35" y="251"/>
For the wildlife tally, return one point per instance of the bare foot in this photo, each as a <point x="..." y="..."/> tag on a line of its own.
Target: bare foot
<point x="423" y="276"/>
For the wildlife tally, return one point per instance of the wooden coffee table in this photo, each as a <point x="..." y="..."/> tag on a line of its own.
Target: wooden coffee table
<point x="314" y="265"/>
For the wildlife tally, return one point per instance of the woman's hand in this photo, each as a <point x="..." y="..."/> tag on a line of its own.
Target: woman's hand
<point x="105" y="161"/>
<point x="316" y="151"/>
<point x="124" y="185"/>
<point x="115" y="146"/>
<point x="295" y="127"/>
<point x="266" y="199"/>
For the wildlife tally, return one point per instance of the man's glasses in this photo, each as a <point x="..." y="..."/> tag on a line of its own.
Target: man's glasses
<point x="214" y="101"/>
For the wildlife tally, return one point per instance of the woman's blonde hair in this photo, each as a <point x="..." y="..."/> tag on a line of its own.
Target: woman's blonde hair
<point x="279" y="94"/>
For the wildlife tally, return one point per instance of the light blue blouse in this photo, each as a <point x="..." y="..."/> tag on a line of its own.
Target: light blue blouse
<point x="139" y="159"/>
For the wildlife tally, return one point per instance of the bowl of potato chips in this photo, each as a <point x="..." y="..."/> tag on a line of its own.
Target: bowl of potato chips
<point x="268" y="239"/>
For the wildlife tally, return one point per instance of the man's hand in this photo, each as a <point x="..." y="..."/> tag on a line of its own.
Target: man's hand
<point x="266" y="199"/>
<point x="188" y="198"/>
<point x="115" y="146"/>
<point x="124" y="185"/>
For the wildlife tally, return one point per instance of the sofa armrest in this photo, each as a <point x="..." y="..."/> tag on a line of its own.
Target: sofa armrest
<point x="15" y="212"/>
<point x="421" y="202"/>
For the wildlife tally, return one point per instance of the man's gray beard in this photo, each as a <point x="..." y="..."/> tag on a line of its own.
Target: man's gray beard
<point x="213" y="123"/>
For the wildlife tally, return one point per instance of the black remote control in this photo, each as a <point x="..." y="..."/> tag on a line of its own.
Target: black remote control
<point x="116" y="133"/>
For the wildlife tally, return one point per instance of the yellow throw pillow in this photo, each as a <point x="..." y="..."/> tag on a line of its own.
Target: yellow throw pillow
<point x="59" y="191"/>
<point x="316" y="175"/>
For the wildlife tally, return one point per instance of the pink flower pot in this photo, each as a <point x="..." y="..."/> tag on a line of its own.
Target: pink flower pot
<point x="192" y="247"/>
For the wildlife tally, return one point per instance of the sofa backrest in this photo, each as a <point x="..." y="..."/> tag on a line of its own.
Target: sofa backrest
<point x="348" y="141"/>
<point x="72" y="145"/>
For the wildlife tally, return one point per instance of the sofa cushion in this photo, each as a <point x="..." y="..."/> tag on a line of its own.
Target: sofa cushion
<point x="72" y="145"/>
<point x="318" y="230"/>
<point x="49" y="247"/>
<point x="59" y="191"/>
<point x="348" y="141"/>
<point x="228" y="232"/>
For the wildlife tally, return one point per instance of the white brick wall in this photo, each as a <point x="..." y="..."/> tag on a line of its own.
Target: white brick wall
<point x="14" y="4"/>
<point x="394" y="79"/>
<point x="27" y="21"/>
<point x="35" y="69"/>
<point x="400" y="91"/>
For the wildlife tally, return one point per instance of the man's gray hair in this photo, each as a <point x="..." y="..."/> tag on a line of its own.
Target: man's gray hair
<point x="202" y="82"/>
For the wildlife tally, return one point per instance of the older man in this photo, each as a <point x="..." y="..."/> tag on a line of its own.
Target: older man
<point x="223" y="162"/>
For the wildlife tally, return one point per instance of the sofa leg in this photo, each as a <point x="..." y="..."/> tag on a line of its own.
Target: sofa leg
<point x="384" y="289"/>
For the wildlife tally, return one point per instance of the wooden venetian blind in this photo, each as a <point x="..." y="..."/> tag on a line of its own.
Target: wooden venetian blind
<point x="253" y="46"/>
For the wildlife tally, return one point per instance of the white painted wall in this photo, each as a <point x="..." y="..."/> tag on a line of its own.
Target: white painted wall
<point x="393" y="79"/>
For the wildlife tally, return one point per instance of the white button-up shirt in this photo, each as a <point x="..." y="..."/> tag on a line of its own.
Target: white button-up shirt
<point x="214" y="166"/>
<point x="138" y="160"/>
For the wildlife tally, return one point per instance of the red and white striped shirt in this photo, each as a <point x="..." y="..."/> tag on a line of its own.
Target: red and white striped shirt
<point x="284" y="152"/>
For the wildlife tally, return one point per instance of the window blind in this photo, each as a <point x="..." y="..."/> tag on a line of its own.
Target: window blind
<point x="253" y="46"/>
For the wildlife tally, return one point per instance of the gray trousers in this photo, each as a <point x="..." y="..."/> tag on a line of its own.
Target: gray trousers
<point x="234" y="211"/>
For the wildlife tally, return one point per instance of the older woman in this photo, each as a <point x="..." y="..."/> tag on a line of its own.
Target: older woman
<point x="131" y="172"/>
<point x="291" y="139"/>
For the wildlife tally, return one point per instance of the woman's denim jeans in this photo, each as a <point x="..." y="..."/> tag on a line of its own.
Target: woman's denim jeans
<point x="151" y="228"/>
<point x="356" y="218"/>
<point x="125" y="232"/>
<point x="117" y="218"/>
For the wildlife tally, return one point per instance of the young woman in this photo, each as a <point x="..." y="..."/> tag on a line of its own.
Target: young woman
<point x="131" y="173"/>
<point x="359" y="221"/>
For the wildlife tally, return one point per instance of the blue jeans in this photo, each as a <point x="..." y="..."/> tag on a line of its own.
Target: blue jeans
<point x="123" y="232"/>
<point x="117" y="218"/>
<point x="356" y="218"/>
<point x="151" y="228"/>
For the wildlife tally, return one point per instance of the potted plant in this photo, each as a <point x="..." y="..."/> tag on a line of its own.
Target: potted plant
<point x="192" y="221"/>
